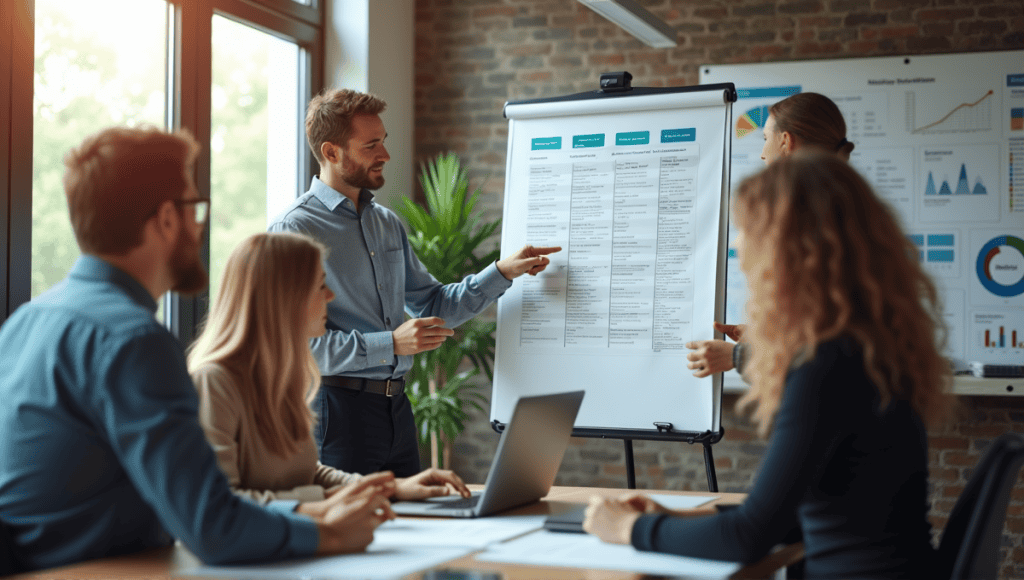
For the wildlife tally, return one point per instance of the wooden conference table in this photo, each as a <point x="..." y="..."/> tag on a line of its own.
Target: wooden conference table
<point x="162" y="563"/>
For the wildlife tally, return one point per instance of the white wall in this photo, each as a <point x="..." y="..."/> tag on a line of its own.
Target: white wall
<point x="369" y="47"/>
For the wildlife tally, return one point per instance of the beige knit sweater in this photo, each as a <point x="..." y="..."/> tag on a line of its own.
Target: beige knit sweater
<point x="252" y="470"/>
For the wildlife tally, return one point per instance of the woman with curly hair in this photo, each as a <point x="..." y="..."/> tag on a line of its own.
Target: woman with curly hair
<point x="256" y="376"/>
<point x="846" y="370"/>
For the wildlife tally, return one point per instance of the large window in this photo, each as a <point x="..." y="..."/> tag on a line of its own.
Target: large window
<point x="234" y="73"/>
<point x="91" y="71"/>
<point x="254" y="138"/>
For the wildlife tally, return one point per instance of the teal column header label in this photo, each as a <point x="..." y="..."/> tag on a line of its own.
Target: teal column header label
<point x="633" y="138"/>
<point x="768" y="92"/>
<point x="547" y="143"/>
<point x="596" y="140"/>
<point x="678" y="135"/>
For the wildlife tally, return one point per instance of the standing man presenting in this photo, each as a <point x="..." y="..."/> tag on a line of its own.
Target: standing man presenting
<point x="365" y="421"/>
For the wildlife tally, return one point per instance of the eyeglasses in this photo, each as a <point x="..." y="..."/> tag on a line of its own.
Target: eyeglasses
<point x="201" y="206"/>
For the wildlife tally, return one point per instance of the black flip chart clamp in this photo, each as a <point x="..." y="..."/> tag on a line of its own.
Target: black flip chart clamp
<point x="664" y="432"/>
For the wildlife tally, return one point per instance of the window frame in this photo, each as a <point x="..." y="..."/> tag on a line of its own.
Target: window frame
<point x="189" y="69"/>
<point x="17" y="45"/>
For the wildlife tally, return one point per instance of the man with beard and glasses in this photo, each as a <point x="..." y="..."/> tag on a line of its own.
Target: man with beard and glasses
<point x="365" y="421"/>
<point x="101" y="449"/>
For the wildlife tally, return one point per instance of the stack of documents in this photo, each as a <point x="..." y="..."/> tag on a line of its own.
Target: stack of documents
<point x="400" y="547"/>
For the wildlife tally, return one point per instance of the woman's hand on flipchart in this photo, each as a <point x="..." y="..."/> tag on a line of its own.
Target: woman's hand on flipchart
<point x="733" y="331"/>
<point x="713" y="356"/>
<point x="709" y="357"/>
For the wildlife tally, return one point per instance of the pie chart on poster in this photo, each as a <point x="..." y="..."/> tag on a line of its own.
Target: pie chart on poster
<point x="1000" y="266"/>
<point x="751" y="121"/>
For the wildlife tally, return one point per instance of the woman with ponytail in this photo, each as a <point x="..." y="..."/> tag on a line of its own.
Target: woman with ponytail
<point x="801" y="122"/>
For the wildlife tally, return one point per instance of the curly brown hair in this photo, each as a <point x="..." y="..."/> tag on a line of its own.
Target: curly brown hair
<point x="824" y="256"/>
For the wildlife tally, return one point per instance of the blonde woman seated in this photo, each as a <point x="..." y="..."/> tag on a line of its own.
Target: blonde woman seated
<point x="255" y="374"/>
<point x="846" y="330"/>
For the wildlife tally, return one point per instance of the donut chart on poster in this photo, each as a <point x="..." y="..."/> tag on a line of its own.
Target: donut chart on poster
<point x="1008" y="252"/>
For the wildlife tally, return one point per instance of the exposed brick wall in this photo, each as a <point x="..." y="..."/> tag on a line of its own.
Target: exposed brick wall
<point x="474" y="55"/>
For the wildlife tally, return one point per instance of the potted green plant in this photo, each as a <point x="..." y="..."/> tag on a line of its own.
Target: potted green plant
<point x="448" y="236"/>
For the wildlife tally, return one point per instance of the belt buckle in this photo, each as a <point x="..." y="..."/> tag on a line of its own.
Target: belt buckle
<point x="387" y="388"/>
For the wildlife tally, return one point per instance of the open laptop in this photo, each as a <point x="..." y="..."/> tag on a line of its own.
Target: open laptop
<point x="525" y="465"/>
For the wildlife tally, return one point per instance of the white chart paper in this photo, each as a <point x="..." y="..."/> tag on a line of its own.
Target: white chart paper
<point x="631" y="190"/>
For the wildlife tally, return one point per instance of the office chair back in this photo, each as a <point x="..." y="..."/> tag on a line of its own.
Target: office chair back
<point x="970" y="543"/>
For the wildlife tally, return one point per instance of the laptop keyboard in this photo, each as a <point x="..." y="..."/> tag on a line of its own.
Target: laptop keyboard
<point x="461" y="503"/>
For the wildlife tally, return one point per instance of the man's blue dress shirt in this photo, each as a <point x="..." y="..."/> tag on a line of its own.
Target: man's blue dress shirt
<point x="376" y="278"/>
<point x="101" y="451"/>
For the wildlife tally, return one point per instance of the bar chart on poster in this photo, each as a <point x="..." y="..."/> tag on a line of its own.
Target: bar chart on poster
<point x="941" y="139"/>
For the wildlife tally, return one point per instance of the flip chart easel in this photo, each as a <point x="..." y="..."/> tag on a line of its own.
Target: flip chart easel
<point x="633" y="184"/>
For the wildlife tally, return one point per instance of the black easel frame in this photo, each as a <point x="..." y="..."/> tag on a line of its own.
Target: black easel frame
<point x="706" y="439"/>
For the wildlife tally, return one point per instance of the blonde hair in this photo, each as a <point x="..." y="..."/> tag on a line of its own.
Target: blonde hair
<point x="117" y="178"/>
<point x="329" y="116"/>
<point x="256" y="332"/>
<point x="826" y="257"/>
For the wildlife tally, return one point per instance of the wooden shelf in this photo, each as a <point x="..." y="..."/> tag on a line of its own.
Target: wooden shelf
<point x="962" y="385"/>
<point x="967" y="385"/>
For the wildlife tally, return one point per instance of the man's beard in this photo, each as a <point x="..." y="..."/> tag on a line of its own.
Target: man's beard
<point x="358" y="176"/>
<point x="187" y="269"/>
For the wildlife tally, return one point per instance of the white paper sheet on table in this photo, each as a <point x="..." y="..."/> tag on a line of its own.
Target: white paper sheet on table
<point x="400" y="547"/>
<point x="680" y="502"/>
<point x="545" y="548"/>
<point x="375" y="563"/>
<point x="462" y="532"/>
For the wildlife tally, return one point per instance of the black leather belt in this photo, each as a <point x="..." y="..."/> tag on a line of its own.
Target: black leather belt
<point x="388" y="388"/>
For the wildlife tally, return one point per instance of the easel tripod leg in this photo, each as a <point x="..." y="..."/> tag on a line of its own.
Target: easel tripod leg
<point x="709" y="465"/>
<point x="630" y="469"/>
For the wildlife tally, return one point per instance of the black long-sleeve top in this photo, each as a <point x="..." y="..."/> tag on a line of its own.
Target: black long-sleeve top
<point x="853" y="478"/>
